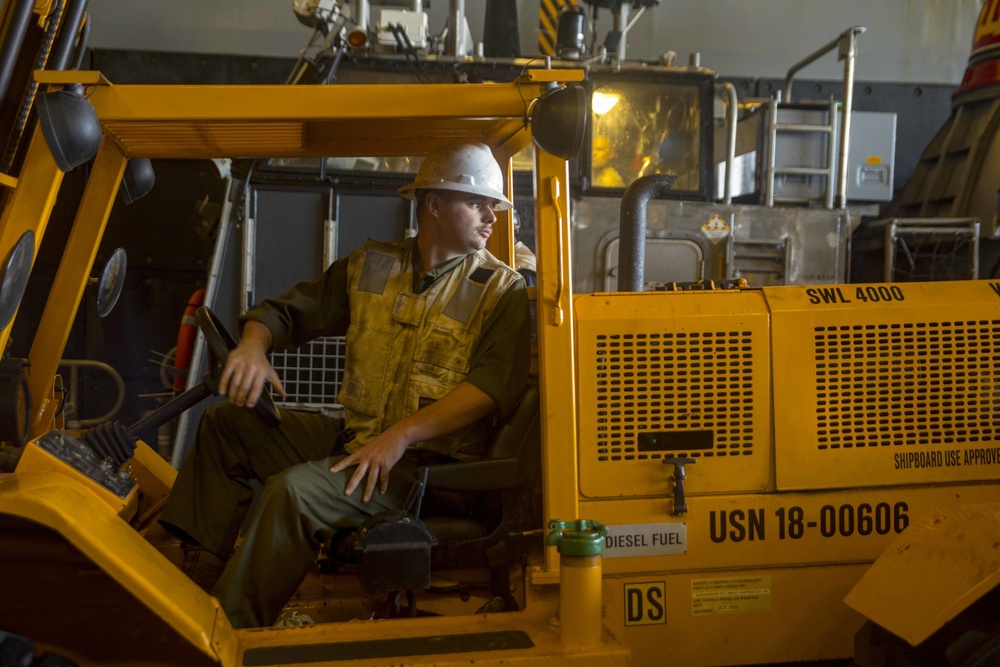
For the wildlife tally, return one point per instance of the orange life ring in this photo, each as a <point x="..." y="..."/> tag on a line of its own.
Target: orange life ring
<point x="185" y="340"/>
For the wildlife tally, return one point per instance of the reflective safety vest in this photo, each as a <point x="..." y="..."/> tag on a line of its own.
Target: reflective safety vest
<point x="406" y="350"/>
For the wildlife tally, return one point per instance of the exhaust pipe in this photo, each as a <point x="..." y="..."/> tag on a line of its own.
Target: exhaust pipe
<point x="632" y="231"/>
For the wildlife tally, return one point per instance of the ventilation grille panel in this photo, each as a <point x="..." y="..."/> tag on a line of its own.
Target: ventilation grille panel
<point x="673" y="384"/>
<point x="916" y="384"/>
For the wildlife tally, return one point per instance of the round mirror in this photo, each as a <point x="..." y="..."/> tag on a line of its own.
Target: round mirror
<point x="14" y="276"/>
<point x="112" y="281"/>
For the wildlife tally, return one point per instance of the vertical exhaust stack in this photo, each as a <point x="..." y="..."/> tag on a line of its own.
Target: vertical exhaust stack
<point x="632" y="235"/>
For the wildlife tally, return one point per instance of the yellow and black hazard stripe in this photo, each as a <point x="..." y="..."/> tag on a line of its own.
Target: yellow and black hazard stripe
<point x="548" y="22"/>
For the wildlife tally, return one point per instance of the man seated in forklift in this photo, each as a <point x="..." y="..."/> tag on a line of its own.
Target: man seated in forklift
<point x="437" y="347"/>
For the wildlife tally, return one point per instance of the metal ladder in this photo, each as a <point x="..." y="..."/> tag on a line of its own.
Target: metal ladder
<point x="835" y="171"/>
<point x="776" y="126"/>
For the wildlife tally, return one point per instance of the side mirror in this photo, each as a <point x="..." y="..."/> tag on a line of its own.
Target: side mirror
<point x="109" y="288"/>
<point x="14" y="276"/>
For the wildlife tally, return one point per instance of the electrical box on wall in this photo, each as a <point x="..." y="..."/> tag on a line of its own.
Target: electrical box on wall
<point x="870" y="161"/>
<point x="872" y="157"/>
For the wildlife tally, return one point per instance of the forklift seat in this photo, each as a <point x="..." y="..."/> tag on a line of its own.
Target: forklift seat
<point x="480" y="511"/>
<point x="472" y="516"/>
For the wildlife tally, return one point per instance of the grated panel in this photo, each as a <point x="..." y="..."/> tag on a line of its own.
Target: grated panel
<point x="907" y="383"/>
<point x="312" y="374"/>
<point x="687" y="393"/>
<point x="169" y="139"/>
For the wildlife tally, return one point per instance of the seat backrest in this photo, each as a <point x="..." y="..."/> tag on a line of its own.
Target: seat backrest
<point x="511" y="435"/>
<point x="511" y="457"/>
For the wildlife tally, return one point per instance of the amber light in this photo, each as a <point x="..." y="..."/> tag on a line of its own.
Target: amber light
<point x="357" y="38"/>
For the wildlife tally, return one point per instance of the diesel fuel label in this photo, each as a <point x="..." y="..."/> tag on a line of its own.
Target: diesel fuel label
<point x="645" y="539"/>
<point x="730" y="594"/>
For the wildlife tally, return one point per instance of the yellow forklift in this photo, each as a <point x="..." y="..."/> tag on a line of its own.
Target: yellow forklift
<point x="719" y="466"/>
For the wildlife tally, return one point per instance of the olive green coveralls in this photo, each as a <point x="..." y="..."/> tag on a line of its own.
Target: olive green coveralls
<point x="303" y="504"/>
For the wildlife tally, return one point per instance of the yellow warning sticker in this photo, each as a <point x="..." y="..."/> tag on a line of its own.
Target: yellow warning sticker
<point x="715" y="227"/>
<point x="715" y="224"/>
<point x="731" y="594"/>
<point x="874" y="159"/>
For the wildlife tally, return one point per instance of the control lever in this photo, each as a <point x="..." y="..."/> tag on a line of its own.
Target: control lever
<point x="677" y="480"/>
<point x="415" y="499"/>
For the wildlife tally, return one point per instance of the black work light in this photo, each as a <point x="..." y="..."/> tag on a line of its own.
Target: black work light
<point x="137" y="180"/>
<point x="558" y="119"/>
<point x="70" y="126"/>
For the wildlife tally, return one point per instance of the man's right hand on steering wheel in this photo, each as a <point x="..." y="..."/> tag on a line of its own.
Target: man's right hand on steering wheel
<point x="247" y="368"/>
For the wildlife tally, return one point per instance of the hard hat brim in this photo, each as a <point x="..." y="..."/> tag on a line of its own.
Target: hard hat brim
<point x="410" y="191"/>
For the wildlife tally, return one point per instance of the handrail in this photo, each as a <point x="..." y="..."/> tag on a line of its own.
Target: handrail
<point x="847" y="38"/>
<point x="74" y="379"/>
<point x="847" y="44"/>
<point x="770" y="157"/>
<point x="557" y="312"/>
<point x="732" y="117"/>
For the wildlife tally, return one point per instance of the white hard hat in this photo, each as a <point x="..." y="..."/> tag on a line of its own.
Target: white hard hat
<point x="462" y="167"/>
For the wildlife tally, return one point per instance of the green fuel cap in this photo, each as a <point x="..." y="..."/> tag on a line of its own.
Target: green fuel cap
<point x="582" y="537"/>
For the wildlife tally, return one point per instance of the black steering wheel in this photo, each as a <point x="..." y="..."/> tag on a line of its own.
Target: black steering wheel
<point x="220" y="343"/>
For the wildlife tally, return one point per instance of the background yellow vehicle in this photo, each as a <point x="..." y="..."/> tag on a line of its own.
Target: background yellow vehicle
<point x="752" y="451"/>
